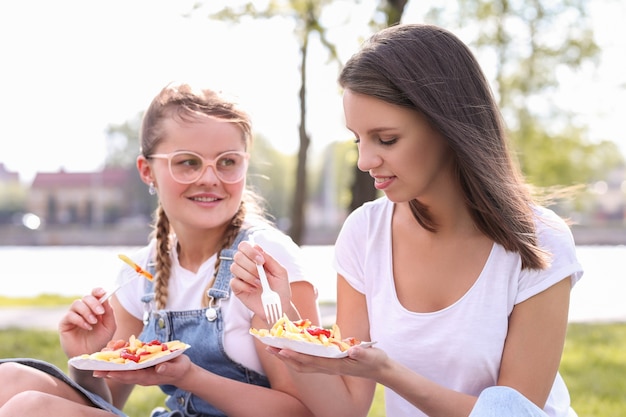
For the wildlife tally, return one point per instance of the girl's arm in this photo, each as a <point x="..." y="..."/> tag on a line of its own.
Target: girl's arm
<point x="127" y="325"/>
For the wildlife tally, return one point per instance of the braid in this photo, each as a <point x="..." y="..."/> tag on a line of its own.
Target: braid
<point x="227" y="240"/>
<point x="163" y="259"/>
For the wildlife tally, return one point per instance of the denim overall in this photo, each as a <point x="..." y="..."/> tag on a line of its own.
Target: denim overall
<point x="203" y="329"/>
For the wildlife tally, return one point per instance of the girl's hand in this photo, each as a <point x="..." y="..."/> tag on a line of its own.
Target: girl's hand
<point x="247" y="286"/>
<point x="87" y="326"/>
<point x="172" y="372"/>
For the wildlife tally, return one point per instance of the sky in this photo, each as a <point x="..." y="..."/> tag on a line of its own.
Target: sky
<point x="70" y="68"/>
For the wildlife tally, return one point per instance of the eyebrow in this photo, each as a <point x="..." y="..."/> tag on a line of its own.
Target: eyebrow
<point x="382" y="129"/>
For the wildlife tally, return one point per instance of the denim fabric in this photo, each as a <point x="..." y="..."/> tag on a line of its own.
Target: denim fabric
<point x="502" y="401"/>
<point x="203" y="330"/>
<point x="52" y="370"/>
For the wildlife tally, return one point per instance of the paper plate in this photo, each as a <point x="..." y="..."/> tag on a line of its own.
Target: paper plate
<point x="314" y="349"/>
<point x="87" y="364"/>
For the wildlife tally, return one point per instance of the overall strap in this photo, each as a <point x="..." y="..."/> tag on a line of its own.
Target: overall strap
<point x="221" y="286"/>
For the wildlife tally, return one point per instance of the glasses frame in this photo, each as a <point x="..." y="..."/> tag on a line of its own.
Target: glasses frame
<point x="205" y="164"/>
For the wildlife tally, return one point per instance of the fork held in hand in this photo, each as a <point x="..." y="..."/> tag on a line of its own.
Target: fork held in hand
<point x="269" y="298"/>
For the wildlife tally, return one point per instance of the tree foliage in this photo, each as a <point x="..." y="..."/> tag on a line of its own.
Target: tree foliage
<point x="123" y="142"/>
<point x="123" y="147"/>
<point x="523" y="46"/>
<point x="270" y="176"/>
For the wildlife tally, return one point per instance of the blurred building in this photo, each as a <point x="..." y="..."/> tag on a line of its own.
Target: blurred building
<point x="8" y="177"/>
<point x="87" y="198"/>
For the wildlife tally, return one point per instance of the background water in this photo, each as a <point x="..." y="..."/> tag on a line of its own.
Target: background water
<point x="74" y="270"/>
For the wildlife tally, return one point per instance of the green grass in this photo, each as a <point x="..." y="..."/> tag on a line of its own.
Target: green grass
<point x="593" y="366"/>
<point x="43" y="300"/>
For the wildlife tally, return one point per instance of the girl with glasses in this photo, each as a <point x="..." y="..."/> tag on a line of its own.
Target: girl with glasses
<point x="194" y="158"/>
<point x="458" y="273"/>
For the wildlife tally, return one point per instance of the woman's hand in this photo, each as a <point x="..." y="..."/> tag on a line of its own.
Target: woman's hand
<point x="361" y="362"/>
<point x="247" y="286"/>
<point x="87" y="326"/>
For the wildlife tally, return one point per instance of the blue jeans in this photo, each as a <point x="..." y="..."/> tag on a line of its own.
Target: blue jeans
<point x="501" y="401"/>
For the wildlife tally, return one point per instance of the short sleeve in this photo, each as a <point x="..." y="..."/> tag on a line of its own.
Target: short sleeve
<point x="284" y="250"/>
<point x="556" y="238"/>
<point x="364" y="234"/>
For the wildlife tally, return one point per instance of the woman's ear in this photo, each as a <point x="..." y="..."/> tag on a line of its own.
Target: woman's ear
<point x="145" y="170"/>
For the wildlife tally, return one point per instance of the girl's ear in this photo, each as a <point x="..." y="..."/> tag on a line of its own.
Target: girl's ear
<point x="145" y="170"/>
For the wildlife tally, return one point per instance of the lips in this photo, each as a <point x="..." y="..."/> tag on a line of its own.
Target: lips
<point x="382" y="182"/>
<point x="381" y="179"/>
<point x="204" y="199"/>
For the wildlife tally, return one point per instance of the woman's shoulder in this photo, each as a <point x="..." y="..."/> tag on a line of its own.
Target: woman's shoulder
<point x="372" y="209"/>
<point x="548" y="221"/>
<point x="553" y="231"/>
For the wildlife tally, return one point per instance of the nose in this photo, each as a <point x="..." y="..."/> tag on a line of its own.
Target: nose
<point x="209" y="175"/>
<point x="368" y="158"/>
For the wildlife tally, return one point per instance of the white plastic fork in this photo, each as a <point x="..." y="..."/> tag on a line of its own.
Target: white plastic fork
<point x="269" y="298"/>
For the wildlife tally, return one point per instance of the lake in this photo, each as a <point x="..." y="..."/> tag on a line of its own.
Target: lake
<point x="74" y="270"/>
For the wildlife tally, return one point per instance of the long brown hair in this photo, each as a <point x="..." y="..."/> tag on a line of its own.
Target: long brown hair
<point x="427" y="69"/>
<point x="183" y="103"/>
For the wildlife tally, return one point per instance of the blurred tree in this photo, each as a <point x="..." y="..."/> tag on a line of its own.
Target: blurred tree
<point x="332" y="181"/>
<point x="12" y="201"/>
<point x="122" y="151"/>
<point x="270" y="176"/>
<point x="529" y="44"/>
<point x="123" y="142"/>
<point x="306" y="15"/>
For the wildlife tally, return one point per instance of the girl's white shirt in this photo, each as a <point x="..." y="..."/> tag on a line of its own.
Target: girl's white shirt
<point x="459" y="347"/>
<point x="186" y="289"/>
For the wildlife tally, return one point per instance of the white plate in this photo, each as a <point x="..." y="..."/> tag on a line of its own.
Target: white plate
<point x="87" y="364"/>
<point x="309" y="348"/>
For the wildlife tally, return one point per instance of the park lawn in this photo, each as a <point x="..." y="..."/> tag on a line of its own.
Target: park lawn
<point x="593" y="366"/>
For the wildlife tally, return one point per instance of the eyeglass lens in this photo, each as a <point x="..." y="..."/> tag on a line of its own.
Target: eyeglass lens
<point x="188" y="167"/>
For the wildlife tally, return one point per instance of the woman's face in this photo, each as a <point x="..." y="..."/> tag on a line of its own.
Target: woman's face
<point x="407" y="158"/>
<point x="208" y="202"/>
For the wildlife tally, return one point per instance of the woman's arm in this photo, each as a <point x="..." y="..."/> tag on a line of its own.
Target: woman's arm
<point x="535" y="340"/>
<point x="530" y="361"/>
<point x="320" y="381"/>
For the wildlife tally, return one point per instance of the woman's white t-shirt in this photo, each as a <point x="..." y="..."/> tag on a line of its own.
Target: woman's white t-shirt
<point x="459" y="347"/>
<point x="186" y="289"/>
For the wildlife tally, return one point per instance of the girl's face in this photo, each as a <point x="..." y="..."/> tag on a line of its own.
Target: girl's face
<point x="407" y="158"/>
<point x="208" y="202"/>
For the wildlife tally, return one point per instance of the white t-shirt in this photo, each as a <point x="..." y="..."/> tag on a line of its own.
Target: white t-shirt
<point x="459" y="347"/>
<point x="187" y="288"/>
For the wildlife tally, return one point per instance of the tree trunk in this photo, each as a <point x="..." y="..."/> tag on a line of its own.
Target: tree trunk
<point x="297" y="228"/>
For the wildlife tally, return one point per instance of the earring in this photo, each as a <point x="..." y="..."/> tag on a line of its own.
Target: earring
<point x="151" y="189"/>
